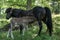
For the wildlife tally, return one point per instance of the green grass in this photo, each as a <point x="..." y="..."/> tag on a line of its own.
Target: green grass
<point x="32" y="32"/>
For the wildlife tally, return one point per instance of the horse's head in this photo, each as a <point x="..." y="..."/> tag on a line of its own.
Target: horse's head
<point x="9" y="12"/>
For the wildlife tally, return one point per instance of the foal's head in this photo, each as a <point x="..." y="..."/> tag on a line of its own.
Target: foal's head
<point x="9" y="12"/>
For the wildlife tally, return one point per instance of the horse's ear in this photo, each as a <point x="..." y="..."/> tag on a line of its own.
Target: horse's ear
<point x="8" y="10"/>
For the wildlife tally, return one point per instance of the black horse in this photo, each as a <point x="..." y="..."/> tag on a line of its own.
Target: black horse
<point x="40" y="13"/>
<point x="43" y="14"/>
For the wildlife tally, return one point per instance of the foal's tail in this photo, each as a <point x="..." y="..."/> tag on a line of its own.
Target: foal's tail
<point x="49" y="19"/>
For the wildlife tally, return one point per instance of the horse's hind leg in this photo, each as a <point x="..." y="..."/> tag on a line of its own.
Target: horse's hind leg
<point x="40" y="25"/>
<point x="38" y="17"/>
<point x="49" y="25"/>
<point x="49" y="20"/>
<point x="44" y="20"/>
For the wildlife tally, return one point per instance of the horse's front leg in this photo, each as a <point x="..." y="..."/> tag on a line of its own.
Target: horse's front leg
<point x="10" y="34"/>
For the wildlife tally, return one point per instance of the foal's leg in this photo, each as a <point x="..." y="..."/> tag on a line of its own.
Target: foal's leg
<point x="10" y="32"/>
<point x="25" y="28"/>
<point x="21" y="29"/>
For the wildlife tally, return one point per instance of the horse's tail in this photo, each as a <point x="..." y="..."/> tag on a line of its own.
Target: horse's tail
<point x="49" y="18"/>
<point x="48" y="12"/>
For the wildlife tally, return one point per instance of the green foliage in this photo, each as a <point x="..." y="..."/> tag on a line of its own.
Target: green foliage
<point x="3" y="22"/>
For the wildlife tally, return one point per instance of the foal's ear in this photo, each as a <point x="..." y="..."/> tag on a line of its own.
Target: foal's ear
<point x="8" y="10"/>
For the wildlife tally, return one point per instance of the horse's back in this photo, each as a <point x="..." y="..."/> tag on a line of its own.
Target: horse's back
<point x="39" y="11"/>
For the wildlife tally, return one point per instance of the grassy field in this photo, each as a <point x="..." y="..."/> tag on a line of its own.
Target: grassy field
<point x="32" y="32"/>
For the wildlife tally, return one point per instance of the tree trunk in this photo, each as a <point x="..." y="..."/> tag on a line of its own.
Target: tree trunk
<point x="29" y="4"/>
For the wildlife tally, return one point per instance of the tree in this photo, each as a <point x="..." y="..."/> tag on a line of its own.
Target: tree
<point x="29" y="3"/>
